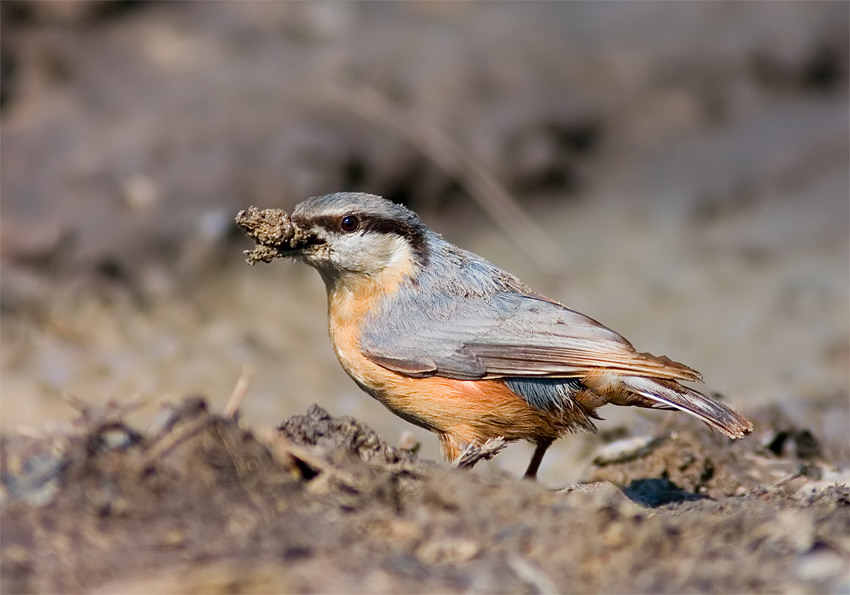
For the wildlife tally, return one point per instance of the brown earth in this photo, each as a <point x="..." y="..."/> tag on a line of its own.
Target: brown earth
<point x="200" y="504"/>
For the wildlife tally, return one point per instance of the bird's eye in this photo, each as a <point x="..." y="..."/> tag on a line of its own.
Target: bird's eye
<point x="349" y="223"/>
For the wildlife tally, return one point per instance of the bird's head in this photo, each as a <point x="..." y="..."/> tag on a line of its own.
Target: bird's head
<point x="350" y="235"/>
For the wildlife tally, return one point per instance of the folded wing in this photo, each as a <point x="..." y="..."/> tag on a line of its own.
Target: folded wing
<point x="505" y="335"/>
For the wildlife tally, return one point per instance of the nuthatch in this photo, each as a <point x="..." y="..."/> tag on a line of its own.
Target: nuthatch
<point x="454" y="344"/>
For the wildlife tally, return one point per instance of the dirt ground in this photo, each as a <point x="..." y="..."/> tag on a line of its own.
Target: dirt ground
<point x="323" y="504"/>
<point x="678" y="171"/>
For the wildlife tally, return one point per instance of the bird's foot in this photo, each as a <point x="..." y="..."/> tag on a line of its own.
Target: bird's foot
<point x="473" y="453"/>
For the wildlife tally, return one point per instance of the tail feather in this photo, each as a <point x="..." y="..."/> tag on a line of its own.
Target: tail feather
<point x="669" y="394"/>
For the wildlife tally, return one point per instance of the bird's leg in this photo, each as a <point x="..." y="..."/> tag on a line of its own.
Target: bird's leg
<point x="537" y="458"/>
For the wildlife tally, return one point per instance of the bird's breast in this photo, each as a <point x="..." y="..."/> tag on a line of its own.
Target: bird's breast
<point x="350" y="303"/>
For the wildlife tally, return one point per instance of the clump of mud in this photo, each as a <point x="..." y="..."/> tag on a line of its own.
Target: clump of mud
<point x="323" y="504"/>
<point x="272" y="230"/>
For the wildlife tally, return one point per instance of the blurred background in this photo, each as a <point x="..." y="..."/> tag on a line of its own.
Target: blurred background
<point x="678" y="171"/>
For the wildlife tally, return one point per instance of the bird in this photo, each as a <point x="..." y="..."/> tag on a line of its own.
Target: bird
<point x="456" y="345"/>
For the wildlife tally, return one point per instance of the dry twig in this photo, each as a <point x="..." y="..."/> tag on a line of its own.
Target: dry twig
<point x="231" y="410"/>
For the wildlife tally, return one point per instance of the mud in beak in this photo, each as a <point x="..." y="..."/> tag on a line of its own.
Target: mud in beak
<point x="275" y="234"/>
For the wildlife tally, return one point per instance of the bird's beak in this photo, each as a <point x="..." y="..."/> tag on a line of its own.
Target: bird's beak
<point x="301" y="238"/>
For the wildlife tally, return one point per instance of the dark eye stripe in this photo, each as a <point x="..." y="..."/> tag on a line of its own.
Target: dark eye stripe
<point x="370" y="223"/>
